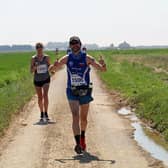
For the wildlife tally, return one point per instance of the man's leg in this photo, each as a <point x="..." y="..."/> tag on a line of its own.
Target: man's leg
<point x="74" y="106"/>
<point x="83" y="118"/>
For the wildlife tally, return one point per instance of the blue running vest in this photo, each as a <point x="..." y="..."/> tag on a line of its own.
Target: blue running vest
<point x="78" y="70"/>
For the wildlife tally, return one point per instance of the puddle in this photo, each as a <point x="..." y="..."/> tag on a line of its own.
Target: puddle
<point x="124" y="111"/>
<point x="149" y="144"/>
<point x="133" y="117"/>
<point x="147" y="139"/>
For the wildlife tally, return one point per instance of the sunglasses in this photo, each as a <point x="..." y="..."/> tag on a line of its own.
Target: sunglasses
<point x="39" y="47"/>
<point x="74" y="42"/>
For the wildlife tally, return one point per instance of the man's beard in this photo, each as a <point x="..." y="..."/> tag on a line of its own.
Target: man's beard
<point x="76" y="49"/>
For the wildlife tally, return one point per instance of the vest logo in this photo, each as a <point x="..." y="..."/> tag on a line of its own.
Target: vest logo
<point x="71" y="63"/>
<point x="81" y="64"/>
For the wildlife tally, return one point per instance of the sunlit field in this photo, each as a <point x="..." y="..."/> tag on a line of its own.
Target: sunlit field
<point x="139" y="75"/>
<point x="133" y="73"/>
<point x="16" y="83"/>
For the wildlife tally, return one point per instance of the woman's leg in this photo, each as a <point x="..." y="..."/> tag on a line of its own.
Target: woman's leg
<point x="45" y="96"/>
<point x="40" y="97"/>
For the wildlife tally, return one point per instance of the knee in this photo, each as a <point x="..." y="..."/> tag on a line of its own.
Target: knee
<point x="75" y="117"/>
<point x="45" y="96"/>
<point x="83" y="119"/>
<point x="40" y="99"/>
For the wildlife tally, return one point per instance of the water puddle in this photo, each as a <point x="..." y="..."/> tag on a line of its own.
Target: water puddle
<point x="149" y="144"/>
<point x="124" y="111"/>
<point x="146" y="138"/>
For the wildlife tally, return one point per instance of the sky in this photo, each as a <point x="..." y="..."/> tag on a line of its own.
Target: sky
<point x="139" y="22"/>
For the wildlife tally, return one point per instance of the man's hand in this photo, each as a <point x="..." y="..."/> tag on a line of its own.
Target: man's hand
<point x="56" y="62"/>
<point x="101" y="61"/>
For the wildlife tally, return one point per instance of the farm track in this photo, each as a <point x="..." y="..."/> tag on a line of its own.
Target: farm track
<point x="109" y="136"/>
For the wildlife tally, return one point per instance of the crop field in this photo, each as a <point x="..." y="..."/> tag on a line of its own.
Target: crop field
<point x="16" y="83"/>
<point x="139" y="75"/>
<point x="133" y="73"/>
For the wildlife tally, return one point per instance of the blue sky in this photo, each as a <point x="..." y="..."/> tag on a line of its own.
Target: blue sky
<point x="139" y="22"/>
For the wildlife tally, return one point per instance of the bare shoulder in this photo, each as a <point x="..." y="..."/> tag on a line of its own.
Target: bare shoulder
<point x="89" y="56"/>
<point x="33" y="57"/>
<point x="47" y="56"/>
<point x="90" y="59"/>
<point x="64" y="59"/>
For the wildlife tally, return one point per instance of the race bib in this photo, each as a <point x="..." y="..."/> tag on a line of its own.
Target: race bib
<point x="42" y="69"/>
<point x="76" y="80"/>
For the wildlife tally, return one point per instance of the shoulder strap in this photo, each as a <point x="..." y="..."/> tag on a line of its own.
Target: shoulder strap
<point x="35" y="58"/>
<point x="69" y="56"/>
<point x="84" y="57"/>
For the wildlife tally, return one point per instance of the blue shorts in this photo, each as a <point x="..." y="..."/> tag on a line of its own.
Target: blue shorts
<point x="82" y="99"/>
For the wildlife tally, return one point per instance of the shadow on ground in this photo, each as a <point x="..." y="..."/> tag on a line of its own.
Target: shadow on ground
<point x="85" y="158"/>
<point x="44" y="122"/>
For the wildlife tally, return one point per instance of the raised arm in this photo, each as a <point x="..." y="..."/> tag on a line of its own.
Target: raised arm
<point x="98" y="65"/>
<point x="32" y="66"/>
<point x="59" y="63"/>
<point x="48" y="62"/>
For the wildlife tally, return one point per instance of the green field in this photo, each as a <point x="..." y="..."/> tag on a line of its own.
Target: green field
<point x="130" y="72"/>
<point x="16" y="84"/>
<point x="139" y="83"/>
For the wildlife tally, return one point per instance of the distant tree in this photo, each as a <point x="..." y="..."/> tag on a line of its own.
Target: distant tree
<point x="124" y="45"/>
<point x="111" y="46"/>
<point x="59" y="45"/>
<point x="5" y="48"/>
<point x="16" y="47"/>
<point x="91" y="46"/>
<point x="21" y="47"/>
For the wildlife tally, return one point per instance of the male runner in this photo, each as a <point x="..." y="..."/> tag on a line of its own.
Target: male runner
<point x="79" y="87"/>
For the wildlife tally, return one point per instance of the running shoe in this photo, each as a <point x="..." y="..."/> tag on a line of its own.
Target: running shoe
<point x="41" y="120"/>
<point x="82" y="143"/>
<point x="78" y="149"/>
<point x="46" y="116"/>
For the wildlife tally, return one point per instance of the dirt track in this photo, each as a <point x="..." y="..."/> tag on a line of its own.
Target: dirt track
<point x="109" y="136"/>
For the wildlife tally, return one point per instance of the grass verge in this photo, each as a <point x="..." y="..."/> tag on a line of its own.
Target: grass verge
<point x="141" y="86"/>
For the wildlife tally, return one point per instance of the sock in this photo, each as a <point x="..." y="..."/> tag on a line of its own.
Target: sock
<point x="77" y="139"/>
<point x="46" y="114"/>
<point x="42" y="115"/>
<point x="82" y="134"/>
